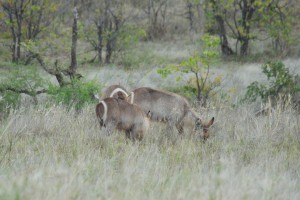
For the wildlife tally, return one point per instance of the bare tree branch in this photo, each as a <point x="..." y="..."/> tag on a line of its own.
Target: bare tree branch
<point x="24" y="91"/>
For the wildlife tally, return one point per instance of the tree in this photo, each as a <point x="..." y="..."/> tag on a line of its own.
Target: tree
<point x="73" y="65"/>
<point x="25" y="20"/>
<point x="71" y="71"/>
<point x="199" y="65"/>
<point x="24" y="81"/>
<point x="191" y="8"/>
<point x="278" y="22"/>
<point x="244" y="17"/>
<point x="14" y="11"/>
<point x="156" y="11"/>
<point x="106" y="20"/>
<point x="218" y="16"/>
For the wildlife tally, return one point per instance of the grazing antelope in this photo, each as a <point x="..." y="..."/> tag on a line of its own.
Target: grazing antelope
<point x="116" y="91"/>
<point x="168" y="107"/>
<point x="118" y="114"/>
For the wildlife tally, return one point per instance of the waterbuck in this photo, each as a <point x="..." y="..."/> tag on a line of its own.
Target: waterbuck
<point x="114" y="113"/>
<point x="170" y="108"/>
<point x="116" y="91"/>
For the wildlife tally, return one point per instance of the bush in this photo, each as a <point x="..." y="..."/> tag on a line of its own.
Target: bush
<point x="75" y="94"/>
<point x="199" y="65"/>
<point x="17" y="80"/>
<point x="280" y="83"/>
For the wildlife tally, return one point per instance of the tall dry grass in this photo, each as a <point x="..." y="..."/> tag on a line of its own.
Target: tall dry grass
<point x="53" y="153"/>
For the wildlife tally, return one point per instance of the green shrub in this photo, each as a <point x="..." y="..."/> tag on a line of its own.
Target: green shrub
<point x="199" y="65"/>
<point x="76" y="94"/>
<point x="280" y="83"/>
<point x="16" y="80"/>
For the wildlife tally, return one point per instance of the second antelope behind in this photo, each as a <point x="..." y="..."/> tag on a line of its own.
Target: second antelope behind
<point x="170" y="108"/>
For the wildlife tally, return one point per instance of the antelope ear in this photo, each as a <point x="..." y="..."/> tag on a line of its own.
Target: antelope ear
<point x="211" y="121"/>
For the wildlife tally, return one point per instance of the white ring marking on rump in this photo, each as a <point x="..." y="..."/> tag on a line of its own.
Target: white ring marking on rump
<point x="105" y="110"/>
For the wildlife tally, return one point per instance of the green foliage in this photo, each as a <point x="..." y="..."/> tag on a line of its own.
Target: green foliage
<point x="76" y="94"/>
<point x="207" y="87"/>
<point x="277" y="21"/>
<point x="164" y="72"/>
<point x="128" y="39"/>
<point x="199" y="65"/>
<point x="31" y="46"/>
<point x="26" y="80"/>
<point x="245" y="18"/>
<point x="25" y="22"/>
<point x="129" y="36"/>
<point x="280" y="82"/>
<point x="17" y="80"/>
<point x="190" y="89"/>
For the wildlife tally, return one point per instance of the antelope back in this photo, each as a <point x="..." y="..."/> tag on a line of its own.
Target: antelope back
<point x="131" y="114"/>
<point x="164" y="106"/>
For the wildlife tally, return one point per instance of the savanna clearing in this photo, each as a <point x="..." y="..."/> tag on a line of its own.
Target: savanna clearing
<point x="237" y="61"/>
<point x="52" y="152"/>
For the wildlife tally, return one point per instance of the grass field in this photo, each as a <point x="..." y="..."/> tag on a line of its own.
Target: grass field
<point x="53" y="153"/>
<point x="50" y="152"/>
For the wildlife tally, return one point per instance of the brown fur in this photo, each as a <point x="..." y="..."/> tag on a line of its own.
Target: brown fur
<point x="168" y="107"/>
<point x="123" y="116"/>
<point x="109" y="90"/>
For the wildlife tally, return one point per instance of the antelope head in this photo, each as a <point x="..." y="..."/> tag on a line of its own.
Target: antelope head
<point x="200" y="125"/>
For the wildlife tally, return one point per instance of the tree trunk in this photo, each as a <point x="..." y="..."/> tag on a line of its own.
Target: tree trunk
<point x="109" y="51"/>
<point x="244" y="46"/>
<point x="226" y="50"/>
<point x="198" y="87"/>
<point x="73" y="66"/>
<point x="247" y="13"/>
<point x="190" y="15"/>
<point x="100" y="40"/>
<point x="110" y="46"/>
<point x="13" y="34"/>
<point x="19" y="16"/>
